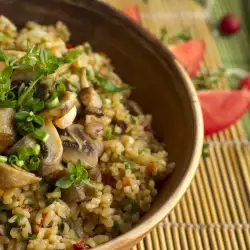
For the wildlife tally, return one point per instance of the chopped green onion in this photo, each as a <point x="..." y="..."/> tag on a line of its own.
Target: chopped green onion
<point x="13" y="159"/>
<point x="24" y="152"/>
<point x="40" y="135"/>
<point x="52" y="102"/>
<point x="37" y="149"/>
<point x="128" y="165"/>
<point x="34" y="163"/>
<point x="32" y="236"/>
<point x="3" y="158"/>
<point x="133" y="120"/>
<point x="118" y="130"/>
<point x="108" y="134"/>
<point x="38" y="120"/>
<point x="20" y="163"/>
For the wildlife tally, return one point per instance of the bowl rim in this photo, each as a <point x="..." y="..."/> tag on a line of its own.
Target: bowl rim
<point x="140" y="230"/>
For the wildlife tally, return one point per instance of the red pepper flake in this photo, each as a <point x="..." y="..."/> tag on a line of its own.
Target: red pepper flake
<point x="69" y="46"/>
<point x="80" y="246"/>
<point x="148" y="128"/>
<point x="26" y="208"/>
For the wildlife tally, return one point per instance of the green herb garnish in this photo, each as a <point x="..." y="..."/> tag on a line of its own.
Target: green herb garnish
<point x="133" y="120"/>
<point x="127" y="163"/>
<point x="3" y="159"/>
<point x="183" y="36"/>
<point x="76" y="174"/>
<point x="208" y="80"/>
<point x="26" y="157"/>
<point x="106" y="85"/>
<point x="163" y="33"/>
<point x="2" y="206"/>
<point x="72" y="55"/>
<point x="205" y="152"/>
<point x="32" y="236"/>
<point x="40" y="135"/>
<point x="108" y="135"/>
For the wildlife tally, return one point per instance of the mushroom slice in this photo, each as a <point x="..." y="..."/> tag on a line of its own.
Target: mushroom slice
<point x="84" y="148"/>
<point x="7" y="132"/>
<point x="90" y="98"/>
<point x="67" y="102"/>
<point x="15" y="177"/>
<point x="66" y="120"/>
<point x="51" y="151"/>
<point x="94" y="129"/>
<point x="26" y="141"/>
<point x="79" y="192"/>
<point x="134" y="108"/>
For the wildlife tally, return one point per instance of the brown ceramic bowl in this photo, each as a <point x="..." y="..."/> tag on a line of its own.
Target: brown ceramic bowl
<point x="163" y="89"/>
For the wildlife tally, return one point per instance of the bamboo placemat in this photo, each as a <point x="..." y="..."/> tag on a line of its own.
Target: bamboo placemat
<point x="214" y="214"/>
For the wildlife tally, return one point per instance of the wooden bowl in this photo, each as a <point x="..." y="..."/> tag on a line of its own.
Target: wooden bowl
<point x="163" y="89"/>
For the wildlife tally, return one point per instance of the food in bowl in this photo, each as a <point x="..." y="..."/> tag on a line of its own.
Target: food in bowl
<point x="79" y="162"/>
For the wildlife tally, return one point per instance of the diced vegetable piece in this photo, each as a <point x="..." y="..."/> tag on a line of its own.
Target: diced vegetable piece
<point x="222" y="108"/>
<point x="189" y="54"/>
<point x="133" y="12"/>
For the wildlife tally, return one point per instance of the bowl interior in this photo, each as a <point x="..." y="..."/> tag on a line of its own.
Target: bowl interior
<point x="140" y="60"/>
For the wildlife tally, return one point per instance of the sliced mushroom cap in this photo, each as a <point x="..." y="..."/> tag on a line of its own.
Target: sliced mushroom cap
<point x="67" y="119"/>
<point x="14" y="177"/>
<point x="51" y="151"/>
<point x="134" y="108"/>
<point x="90" y="98"/>
<point x="7" y="132"/>
<point x="78" y="193"/>
<point x="67" y="102"/>
<point x="84" y="148"/>
<point x="26" y="141"/>
<point x="94" y="129"/>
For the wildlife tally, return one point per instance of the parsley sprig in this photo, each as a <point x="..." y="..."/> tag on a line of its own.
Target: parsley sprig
<point x="76" y="174"/>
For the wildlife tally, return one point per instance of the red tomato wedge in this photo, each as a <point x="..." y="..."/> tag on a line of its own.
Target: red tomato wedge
<point x="222" y="108"/>
<point x="133" y="12"/>
<point x="189" y="54"/>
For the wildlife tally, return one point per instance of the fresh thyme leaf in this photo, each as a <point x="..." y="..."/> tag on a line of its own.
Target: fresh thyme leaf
<point x="76" y="174"/>
<point x="163" y="33"/>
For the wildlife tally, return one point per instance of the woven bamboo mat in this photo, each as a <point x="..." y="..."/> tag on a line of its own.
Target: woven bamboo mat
<point x="214" y="214"/>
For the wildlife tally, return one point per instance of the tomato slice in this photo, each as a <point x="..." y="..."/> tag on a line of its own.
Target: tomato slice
<point x="222" y="108"/>
<point x="133" y="12"/>
<point x="189" y="54"/>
